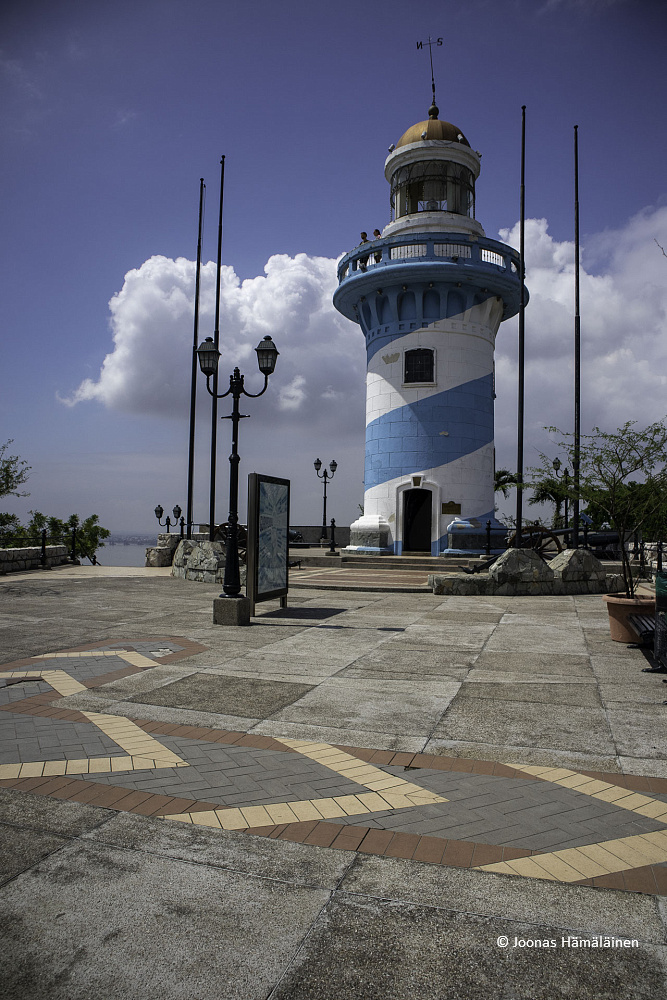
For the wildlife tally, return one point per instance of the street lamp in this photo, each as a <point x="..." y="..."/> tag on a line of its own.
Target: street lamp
<point x="325" y="476"/>
<point x="556" y="466"/>
<point x="159" y="511"/>
<point x="209" y="356"/>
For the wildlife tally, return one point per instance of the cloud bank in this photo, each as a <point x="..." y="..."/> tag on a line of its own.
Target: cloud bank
<point x="319" y="380"/>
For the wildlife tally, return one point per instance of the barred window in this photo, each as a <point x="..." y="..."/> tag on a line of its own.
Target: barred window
<point x="419" y="365"/>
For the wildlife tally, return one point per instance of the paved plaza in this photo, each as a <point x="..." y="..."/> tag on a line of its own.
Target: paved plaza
<point x="369" y="793"/>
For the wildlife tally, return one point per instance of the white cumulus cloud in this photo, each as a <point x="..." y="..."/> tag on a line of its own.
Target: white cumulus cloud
<point x="318" y="385"/>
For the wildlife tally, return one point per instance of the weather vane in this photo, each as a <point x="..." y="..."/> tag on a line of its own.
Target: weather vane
<point x="431" y="42"/>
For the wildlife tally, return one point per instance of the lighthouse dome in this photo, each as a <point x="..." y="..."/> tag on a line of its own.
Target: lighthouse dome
<point x="433" y="129"/>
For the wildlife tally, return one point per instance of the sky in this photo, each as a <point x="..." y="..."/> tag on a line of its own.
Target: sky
<point x="112" y="110"/>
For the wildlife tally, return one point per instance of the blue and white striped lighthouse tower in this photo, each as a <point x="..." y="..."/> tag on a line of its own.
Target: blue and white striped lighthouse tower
<point x="429" y="295"/>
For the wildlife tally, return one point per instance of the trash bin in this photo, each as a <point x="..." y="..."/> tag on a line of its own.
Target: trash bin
<point x="660" y="634"/>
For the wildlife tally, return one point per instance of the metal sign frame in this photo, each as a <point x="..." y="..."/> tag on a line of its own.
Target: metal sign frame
<point x="268" y="539"/>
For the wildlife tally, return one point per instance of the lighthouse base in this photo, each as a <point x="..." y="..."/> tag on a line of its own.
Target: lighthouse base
<point x="371" y="533"/>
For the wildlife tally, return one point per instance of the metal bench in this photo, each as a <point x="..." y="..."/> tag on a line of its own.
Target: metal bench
<point x="644" y="626"/>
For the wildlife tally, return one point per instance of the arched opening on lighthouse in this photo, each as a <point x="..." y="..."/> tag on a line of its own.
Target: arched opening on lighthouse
<point x="417" y="520"/>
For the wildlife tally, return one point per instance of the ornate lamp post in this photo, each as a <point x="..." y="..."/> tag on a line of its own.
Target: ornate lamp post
<point x="325" y="476"/>
<point x="208" y="362"/>
<point x="159" y="511"/>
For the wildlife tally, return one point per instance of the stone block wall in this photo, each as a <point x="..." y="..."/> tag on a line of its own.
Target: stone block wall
<point x="201" y="561"/>
<point x="16" y="560"/>
<point x="523" y="573"/>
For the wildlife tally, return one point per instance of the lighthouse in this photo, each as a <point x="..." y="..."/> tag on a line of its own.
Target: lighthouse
<point x="429" y="294"/>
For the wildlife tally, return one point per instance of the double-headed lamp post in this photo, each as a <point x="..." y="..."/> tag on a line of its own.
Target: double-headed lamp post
<point x="159" y="511"/>
<point x="325" y="476"/>
<point x="209" y="356"/>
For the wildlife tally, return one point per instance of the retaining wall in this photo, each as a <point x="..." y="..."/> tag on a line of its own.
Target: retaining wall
<point x="16" y="560"/>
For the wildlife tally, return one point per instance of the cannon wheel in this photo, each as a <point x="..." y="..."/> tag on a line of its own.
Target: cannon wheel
<point x="536" y="536"/>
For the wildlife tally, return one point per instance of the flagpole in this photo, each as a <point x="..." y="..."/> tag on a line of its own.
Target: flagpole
<point x="214" y="379"/>
<point x="193" y="380"/>
<point x="522" y="309"/>
<point x="577" y="349"/>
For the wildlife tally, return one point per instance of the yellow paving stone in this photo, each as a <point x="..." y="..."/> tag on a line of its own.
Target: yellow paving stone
<point x="387" y="781"/>
<point x="374" y="802"/>
<point x="591" y="785"/>
<point x="231" y="819"/>
<point x="580" y="862"/>
<point x="556" y="773"/>
<point x="429" y="798"/>
<point x="578" y="781"/>
<point x="498" y="866"/>
<point x="121" y="764"/>
<point x="396" y="799"/>
<point x="207" y="818"/>
<point x="179" y="817"/>
<point x="611" y="862"/>
<point x="54" y="768"/>
<point x="77" y="766"/>
<point x="536" y="769"/>
<point x="9" y="771"/>
<point x="98" y="765"/>
<point x="556" y="866"/>
<point x="306" y="810"/>
<point x="636" y="801"/>
<point x="613" y="794"/>
<point x="329" y="809"/>
<point x="359" y="770"/>
<point x="256" y="816"/>
<point x="654" y="810"/>
<point x="530" y="869"/>
<point x="280" y="812"/>
<point x="32" y="769"/>
<point x="657" y="837"/>
<point x="351" y="804"/>
<point x="634" y="854"/>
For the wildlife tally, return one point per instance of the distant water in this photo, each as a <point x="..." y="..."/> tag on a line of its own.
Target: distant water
<point x="118" y="554"/>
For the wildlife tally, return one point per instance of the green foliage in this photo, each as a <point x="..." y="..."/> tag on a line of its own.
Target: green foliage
<point x="13" y="473"/>
<point x="503" y="480"/>
<point x="89" y="533"/>
<point x="607" y="487"/>
<point x="550" y="489"/>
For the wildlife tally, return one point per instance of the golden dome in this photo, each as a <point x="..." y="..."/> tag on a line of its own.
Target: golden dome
<point x="435" y="129"/>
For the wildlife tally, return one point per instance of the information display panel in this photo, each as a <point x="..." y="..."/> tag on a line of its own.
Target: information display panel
<point x="268" y="538"/>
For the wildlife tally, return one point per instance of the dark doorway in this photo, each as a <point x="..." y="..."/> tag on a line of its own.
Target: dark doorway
<point x="417" y="521"/>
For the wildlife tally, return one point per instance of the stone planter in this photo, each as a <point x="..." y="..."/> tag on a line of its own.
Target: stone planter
<point x="619" y="607"/>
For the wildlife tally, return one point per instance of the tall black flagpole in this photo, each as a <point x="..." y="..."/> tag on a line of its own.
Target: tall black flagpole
<point x="214" y="380"/>
<point x="193" y="380"/>
<point x="522" y="310"/>
<point x="577" y="349"/>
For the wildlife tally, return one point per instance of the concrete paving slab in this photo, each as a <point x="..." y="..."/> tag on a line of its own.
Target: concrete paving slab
<point x="566" y="907"/>
<point x="364" y="947"/>
<point x="207" y="692"/>
<point x="523" y="638"/>
<point x="95" y="920"/>
<point x="31" y="812"/>
<point x="535" y="662"/>
<point x="372" y="706"/>
<point x="582" y="694"/>
<point x="301" y="864"/>
<point x="564" y="727"/>
<point x="20" y="849"/>
<point x="639" y="733"/>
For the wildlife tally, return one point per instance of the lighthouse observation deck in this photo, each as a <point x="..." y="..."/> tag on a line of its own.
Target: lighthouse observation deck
<point x="438" y="261"/>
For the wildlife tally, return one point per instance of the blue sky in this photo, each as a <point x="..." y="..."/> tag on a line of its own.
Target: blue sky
<point x="112" y="111"/>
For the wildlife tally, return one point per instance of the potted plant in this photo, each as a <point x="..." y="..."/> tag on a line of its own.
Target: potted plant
<point x="622" y="482"/>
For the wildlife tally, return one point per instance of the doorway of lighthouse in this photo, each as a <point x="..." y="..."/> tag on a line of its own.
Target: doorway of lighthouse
<point x="417" y="520"/>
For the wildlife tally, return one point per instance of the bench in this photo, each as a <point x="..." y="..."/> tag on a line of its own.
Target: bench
<point x="294" y="563"/>
<point x="644" y="626"/>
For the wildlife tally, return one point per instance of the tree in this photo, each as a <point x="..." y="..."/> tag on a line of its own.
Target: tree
<point x="550" y="489"/>
<point x="606" y="487"/>
<point x="503" y="480"/>
<point x="13" y="473"/>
